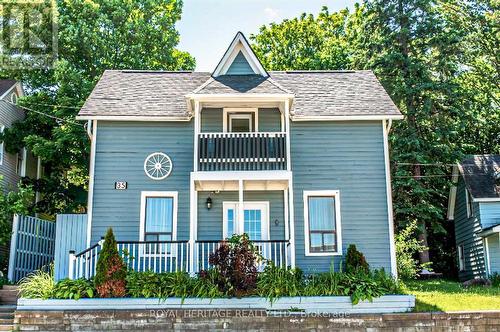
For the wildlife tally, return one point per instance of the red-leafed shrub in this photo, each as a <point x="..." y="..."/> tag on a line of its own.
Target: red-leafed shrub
<point x="236" y="264"/>
<point x="110" y="271"/>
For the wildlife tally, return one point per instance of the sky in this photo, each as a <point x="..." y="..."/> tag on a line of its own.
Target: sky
<point x="207" y="27"/>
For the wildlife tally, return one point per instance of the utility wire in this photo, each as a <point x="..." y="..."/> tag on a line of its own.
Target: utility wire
<point x="47" y="115"/>
<point x="51" y="105"/>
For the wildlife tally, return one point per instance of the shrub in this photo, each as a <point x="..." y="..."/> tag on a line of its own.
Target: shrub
<point x="206" y="285"/>
<point x="495" y="279"/>
<point x="355" y="260"/>
<point x="275" y="282"/>
<point x="110" y="272"/>
<point x="73" y="289"/>
<point x="38" y="285"/>
<point x="407" y="246"/>
<point x="236" y="264"/>
<point x="161" y="285"/>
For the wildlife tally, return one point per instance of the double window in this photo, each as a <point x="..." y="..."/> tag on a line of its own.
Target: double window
<point x="158" y="216"/>
<point x="322" y="223"/>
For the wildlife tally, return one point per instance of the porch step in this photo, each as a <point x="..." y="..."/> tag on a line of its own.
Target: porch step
<point x="9" y="295"/>
<point x="7" y="317"/>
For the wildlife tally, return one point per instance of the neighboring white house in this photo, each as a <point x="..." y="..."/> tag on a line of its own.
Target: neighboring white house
<point x="22" y="164"/>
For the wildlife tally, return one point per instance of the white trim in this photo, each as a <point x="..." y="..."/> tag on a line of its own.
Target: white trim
<point x="453" y="193"/>
<point x="461" y="257"/>
<point x="322" y="193"/>
<point x="90" y="196"/>
<point x="490" y="231"/>
<point x="239" y="43"/>
<point x="346" y="117"/>
<point x="228" y="111"/>
<point x="264" y="206"/>
<point x="193" y="223"/>
<point x="390" y="214"/>
<point x="146" y="194"/>
<point x="291" y="216"/>
<point x="240" y="97"/>
<point x="134" y="118"/>
<point x="468" y="201"/>
<point x="15" y="86"/>
<point x="2" y="146"/>
<point x="487" y="254"/>
<point x="486" y="200"/>
<point x="21" y="169"/>
<point x="241" y="175"/>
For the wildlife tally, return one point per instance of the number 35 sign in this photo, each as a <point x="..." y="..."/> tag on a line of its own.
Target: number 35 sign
<point x="120" y="185"/>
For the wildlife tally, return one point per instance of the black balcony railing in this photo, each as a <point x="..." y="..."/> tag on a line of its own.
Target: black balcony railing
<point x="242" y="151"/>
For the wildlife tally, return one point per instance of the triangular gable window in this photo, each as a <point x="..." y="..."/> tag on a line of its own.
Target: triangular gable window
<point x="240" y="66"/>
<point x="239" y="59"/>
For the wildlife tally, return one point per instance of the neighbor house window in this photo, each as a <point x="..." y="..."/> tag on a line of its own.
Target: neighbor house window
<point x="158" y="217"/>
<point x="21" y="162"/>
<point x="461" y="258"/>
<point x="2" y="145"/>
<point x="470" y="203"/>
<point x="322" y="223"/>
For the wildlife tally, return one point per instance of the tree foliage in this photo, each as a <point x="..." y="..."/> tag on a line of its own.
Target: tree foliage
<point x="94" y="35"/>
<point x="438" y="60"/>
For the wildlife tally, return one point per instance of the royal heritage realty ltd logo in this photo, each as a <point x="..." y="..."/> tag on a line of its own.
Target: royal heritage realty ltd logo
<point x="28" y="34"/>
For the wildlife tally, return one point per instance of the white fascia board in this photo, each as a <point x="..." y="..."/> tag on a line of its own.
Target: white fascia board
<point x="486" y="200"/>
<point x="241" y="97"/>
<point x="133" y="118"/>
<point x="347" y="118"/>
<point x="241" y="175"/>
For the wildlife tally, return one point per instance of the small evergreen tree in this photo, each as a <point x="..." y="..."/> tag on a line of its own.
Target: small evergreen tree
<point x="110" y="271"/>
<point x="355" y="260"/>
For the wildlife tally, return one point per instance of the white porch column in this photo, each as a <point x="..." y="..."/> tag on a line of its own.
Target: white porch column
<point x="292" y="222"/>
<point x="193" y="225"/>
<point x="287" y="131"/>
<point x="197" y="126"/>
<point x="241" y="218"/>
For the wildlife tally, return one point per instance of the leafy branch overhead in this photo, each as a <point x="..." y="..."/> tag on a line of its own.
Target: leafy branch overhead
<point x="93" y="36"/>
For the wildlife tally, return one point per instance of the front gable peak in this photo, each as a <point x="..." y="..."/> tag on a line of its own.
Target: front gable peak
<point x="239" y="59"/>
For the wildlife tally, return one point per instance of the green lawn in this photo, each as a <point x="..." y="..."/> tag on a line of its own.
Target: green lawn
<point x="444" y="295"/>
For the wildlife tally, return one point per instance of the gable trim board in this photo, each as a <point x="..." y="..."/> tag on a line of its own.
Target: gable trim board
<point x="239" y="44"/>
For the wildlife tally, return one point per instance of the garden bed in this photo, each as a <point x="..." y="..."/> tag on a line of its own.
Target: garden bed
<point x="308" y="304"/>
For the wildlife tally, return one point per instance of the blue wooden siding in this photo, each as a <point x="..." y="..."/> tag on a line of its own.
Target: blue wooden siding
<point x="494" y="253"/>
<point x="120" y="153"/>
<point x="240" y="66"/>
<point x="212" y="120"/>
<point x="345" y="156"/>
<point x="269" y="120"/>
<point x="71" y="234"/>
<point x="210" y="221"/>
<point x="490" y="214"/>
<point x="9" y="114"/>
<point x="466" y="230"/>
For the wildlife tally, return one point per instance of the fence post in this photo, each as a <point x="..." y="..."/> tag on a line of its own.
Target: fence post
<point x="71" y="265"/>
<point x="13" y="246"/>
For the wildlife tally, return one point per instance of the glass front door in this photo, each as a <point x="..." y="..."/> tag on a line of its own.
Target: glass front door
<point x="255" y="220"/>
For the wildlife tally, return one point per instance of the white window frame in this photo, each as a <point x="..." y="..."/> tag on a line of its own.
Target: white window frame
<point x="21" y="169"/>
<point x="2" y="145"/>
<point x="469" y="203"/>
<point x="226" y="127"/>
<point x="461" y="257"/>
<point x="142" y="227"/>
<point x="322" y="193"/>
<point x="248" y="205"/>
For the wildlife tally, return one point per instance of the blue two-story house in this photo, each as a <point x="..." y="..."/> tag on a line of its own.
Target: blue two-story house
<point x="474" y="205"/>
<point x="298" y="160"/>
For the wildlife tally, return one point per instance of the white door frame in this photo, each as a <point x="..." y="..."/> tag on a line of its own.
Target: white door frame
<point x="247" y="205"/>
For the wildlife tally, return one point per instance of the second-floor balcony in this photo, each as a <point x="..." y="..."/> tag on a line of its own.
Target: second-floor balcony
<point x="250" y="151"/>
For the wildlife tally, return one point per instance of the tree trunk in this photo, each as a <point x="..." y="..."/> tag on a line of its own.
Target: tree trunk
<point x="422" y="237"/>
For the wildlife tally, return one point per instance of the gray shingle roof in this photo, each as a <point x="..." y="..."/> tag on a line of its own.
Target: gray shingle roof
<point x="317" y="93"/>
<point x="479" y="175"/>
<point x="5" y="85"/>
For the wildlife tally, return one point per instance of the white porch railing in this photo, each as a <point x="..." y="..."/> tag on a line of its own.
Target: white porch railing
<point x="169" y="256"/>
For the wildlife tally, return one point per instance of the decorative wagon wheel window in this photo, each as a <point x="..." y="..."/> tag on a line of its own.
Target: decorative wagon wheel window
<point x="158" y="166"/>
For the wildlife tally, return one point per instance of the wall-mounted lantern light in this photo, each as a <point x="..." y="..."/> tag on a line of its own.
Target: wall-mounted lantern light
<point x="209" y="202"/>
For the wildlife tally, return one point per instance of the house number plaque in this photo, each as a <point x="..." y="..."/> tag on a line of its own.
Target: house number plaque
<point x="120" y="185"/>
